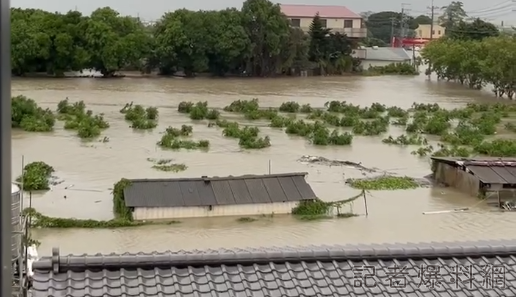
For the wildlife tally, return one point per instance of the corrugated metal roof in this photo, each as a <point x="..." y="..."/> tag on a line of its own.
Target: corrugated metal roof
<point x="489" y="170"/>
<point x="485" y="268"/>
<point x="393" y="54"/>
<point x="494" y="175"/>
<point x="213" y="191"/>
<point x="325" y="11"/>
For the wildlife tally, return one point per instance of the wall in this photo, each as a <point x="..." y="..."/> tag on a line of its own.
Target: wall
<point x="423" y="31"/>
<point x="330" y="23"/>
<point x="337" y="25"/>
<point x="155" y="213"/>
<point x="378" y="63"/>
<point x="457" y="178"/>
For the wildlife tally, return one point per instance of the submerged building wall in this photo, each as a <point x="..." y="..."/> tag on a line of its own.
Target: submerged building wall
<point x="456" y="177"/>
<point x="157" y="213"/>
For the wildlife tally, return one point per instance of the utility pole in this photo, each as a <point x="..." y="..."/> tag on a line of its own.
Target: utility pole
<point x="432" y="17"/>
<point x="403" y="21"/>
<point x="392" y="31"/>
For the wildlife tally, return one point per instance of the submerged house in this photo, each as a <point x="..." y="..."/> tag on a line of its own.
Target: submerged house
<point x="485" y="268"/>
<point x="490" y="177"/>
<point x="151" y="199"/>
<point x="381" y="56"/>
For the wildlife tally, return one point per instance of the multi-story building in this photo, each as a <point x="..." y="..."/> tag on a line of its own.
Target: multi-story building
<point x="337" y="18"/>
<point x="427" y="32"/>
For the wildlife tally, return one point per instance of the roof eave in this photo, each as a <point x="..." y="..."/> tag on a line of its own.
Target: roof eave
<point x="432" y="250"/>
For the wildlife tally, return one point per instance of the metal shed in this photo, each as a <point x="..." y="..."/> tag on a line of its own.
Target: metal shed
<point x="491" y="177"/>
<point x="216" y="196"/>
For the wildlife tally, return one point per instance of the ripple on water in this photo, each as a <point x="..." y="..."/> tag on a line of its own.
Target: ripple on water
<point x="95" y="167"/>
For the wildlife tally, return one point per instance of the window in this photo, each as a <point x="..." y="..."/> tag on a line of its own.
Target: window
<point x="348" y="23"/>
<point x="439" y="32"/>
<point x="420" y="33"/>
<point x="433" y="32"/>
<point x="324" y="22"/>
<point x="295" y="22"/>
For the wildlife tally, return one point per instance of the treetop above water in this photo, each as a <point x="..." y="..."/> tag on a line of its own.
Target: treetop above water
<point x="219" y="42"/>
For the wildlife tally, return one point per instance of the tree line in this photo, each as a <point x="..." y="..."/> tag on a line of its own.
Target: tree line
<point x="256" y="40"/>
<point x="474" y="53"/>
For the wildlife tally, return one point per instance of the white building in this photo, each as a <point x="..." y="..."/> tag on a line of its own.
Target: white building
<point x="382" y="56"/>
<point x="248" y="195"/>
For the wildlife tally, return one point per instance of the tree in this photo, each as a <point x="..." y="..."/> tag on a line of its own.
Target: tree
<point x="423" y="20"/>
<point x="329" y="51"/>
<point x="475" y="62"/>
<point x="268" y="30"/>
<point x="114" y="41"/>
<point x="476" y="30"/>
<point x="256" y="40"/>
<point x="453" y="14"/>
<point x="384" y="24"/>
<point x="318" y="48"/>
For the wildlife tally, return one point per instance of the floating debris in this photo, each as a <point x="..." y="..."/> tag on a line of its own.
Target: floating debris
<point x="327" y="162"/>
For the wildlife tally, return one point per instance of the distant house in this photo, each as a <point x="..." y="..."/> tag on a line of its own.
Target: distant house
<point x="493" y="178"/>
<point x="381" y="56"/>
<point x="337" y="18"/>
<point x="426" y="31"/>
<point x="247" y="195"/>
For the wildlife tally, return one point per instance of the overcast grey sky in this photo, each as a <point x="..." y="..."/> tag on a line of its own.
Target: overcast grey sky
<point x="152" y="9"/>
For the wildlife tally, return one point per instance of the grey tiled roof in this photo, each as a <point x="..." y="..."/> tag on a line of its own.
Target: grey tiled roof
<point x="412" y="270"/>
<point x="205" y="191"/>
<point x="393" y="54"/>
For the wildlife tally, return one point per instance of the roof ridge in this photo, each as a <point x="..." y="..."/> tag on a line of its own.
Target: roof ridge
<point x="321" y="5"/>
<point x="220" y="178"/>
<point x="278" y="255"/>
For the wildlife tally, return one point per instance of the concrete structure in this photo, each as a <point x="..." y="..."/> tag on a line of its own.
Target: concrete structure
<point x="248" y="195"/>
<point x="16" y="222"/>
<point x="381" y="56"/>
<point x="426" y="32"/>
<point x="493" y="178"/>
<point x="337" y="18"/>
<point x="484" y="268"/>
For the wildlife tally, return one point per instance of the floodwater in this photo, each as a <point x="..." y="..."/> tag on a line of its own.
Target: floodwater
<point x="93" y="168"/>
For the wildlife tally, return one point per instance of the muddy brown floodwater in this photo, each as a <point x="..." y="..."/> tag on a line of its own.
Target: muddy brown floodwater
<point x="93" y="168"/>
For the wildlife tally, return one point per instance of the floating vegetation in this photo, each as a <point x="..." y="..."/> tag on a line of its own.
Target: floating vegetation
<point x="318" y="209"/>
<point x="141" y="118"/>
<point x="198" y="111"/>
<point x="42" y="221"/>
<point x="290" y="106"/>
<point x="246" y="220"/>
<point x="27" y="115"/>
<point x="76" y="117"/>
<point x="392" y="69"/>
<point x="461" y="130"/>
<point x="174" y="138"/>
<point x="36" y="176"/>
<point x="406" y="140"/>
<point x="384" y="183"/>
<point x="247" y="136"/>
<point x="167" y="165"/>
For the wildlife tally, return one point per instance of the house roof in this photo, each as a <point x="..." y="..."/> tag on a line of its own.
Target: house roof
<point x="205" y="191"/>
<point x="489" y="170"/>
<point x="325" y="11"/>
<point x="394" y="54"/>
<point x="485" y="268"/>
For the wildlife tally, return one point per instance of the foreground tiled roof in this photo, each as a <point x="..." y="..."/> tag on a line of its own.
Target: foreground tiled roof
<point x="206" y="191"/>
<point x="435" y="269"/>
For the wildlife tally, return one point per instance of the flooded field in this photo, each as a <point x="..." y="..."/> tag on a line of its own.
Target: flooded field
<point x="93" y="168"/>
